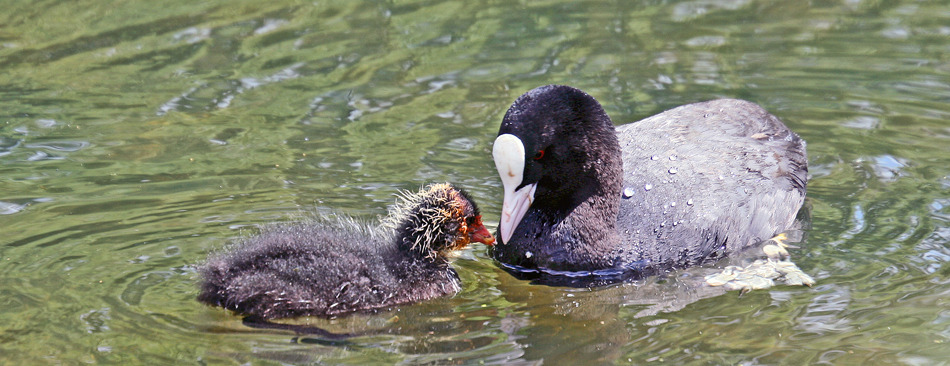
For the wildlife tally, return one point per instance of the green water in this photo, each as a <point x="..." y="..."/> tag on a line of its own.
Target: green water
<point x="138" y="136"/>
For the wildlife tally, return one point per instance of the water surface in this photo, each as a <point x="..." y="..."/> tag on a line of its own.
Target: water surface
<point x="136" y="137"/>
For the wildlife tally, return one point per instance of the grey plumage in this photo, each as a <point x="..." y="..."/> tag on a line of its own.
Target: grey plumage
<point x="680" y="188"/>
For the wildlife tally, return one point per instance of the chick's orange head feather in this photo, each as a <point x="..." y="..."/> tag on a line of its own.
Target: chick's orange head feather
<point x="471" y="227"/>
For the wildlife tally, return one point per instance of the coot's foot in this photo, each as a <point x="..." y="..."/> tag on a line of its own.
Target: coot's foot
<point x="763" y="273"/>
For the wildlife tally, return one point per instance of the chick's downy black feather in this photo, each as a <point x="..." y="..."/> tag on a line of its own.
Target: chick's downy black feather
<point x="333" y="267"/>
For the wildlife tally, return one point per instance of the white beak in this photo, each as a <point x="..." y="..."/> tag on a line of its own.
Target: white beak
<point x="508" y="152"/>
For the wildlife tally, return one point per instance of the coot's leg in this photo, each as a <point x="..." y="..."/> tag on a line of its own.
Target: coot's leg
<point x="761" y="273"/>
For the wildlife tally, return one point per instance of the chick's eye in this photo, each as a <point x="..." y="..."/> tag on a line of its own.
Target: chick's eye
<point x="539" y="155"/>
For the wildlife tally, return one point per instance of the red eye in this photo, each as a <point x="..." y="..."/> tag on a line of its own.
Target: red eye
<point x="539" y="155"/>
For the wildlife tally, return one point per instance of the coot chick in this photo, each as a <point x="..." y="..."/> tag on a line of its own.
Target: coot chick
<point x="684" y="187"/>
<point x="328" y="268"/>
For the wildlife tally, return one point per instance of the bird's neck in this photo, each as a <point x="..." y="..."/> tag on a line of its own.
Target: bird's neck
<point x="586" y="226"/>
<point x="417" y="236"/>
<point x="595" y="190"/>
<point x="600" y="205"/>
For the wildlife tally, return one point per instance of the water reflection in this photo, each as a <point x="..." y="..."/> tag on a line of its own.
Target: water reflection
<point x="137" y="137"/>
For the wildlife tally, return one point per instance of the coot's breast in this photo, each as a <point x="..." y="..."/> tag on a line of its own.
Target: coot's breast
<point x="707" y="179"/>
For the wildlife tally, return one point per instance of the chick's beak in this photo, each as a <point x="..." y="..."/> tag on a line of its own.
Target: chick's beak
<point x="478" y="232"/>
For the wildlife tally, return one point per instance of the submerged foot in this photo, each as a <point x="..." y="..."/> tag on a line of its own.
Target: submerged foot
<point x="763" y="273"/>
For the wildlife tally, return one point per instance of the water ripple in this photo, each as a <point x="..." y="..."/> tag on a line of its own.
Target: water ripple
<point x="9" y="208"/>
<point x="61" y="146"/>
<point x="135" y="137"/>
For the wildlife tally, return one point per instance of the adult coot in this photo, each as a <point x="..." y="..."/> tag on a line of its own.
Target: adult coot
<point x="686" y="186"/>
<point x="324" y="269"/>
